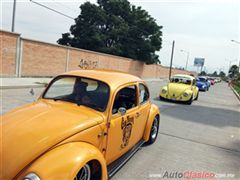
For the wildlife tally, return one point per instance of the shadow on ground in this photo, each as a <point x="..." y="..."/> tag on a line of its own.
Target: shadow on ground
<point x="218" y="117"/>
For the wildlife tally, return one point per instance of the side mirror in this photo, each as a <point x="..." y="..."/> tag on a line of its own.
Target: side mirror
<point x="122" y="111"/>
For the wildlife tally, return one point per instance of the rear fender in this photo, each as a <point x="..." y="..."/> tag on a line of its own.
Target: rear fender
<point x="154" y="111"/>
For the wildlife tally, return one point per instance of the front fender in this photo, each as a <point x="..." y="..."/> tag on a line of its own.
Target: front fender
<point x="154" y="111"/>
<point x="65" y="161"/>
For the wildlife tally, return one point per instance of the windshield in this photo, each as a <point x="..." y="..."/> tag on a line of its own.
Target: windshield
<point x="202" y="79"/>
<point x="181" y="80"/>
<point x="79" y="90"/>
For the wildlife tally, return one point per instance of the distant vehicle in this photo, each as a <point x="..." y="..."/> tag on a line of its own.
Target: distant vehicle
<point x="202" y="84"/>
<point x="218" y="80"/>
<point x="212" y="80"/>
<point x="180" y="88"/>
<point x="204" y="78"/>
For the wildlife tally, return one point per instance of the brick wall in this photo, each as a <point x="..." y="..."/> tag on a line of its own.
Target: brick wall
<point x="44" y="59"/>
<point x="8" y="53"/>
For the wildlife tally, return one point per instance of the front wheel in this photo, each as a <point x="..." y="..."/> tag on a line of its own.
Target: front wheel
<point x="154" y="131"/>
<point x="84" y="173"/>
<point x="189" y="102"/>
<point x="197" y="96"/>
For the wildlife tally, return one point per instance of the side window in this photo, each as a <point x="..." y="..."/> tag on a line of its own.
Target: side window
<point x="144" y="94"/>
<point x="125" y="98"/>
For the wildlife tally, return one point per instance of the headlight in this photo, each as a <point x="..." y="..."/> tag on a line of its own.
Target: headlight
<point x="164" y="91"/>
<point x="31" y="176"/>
<point x="185" y="94"/>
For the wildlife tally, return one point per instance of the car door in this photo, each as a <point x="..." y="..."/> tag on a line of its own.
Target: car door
<point x="122" y="131"/>
<point x="143" y="111"/>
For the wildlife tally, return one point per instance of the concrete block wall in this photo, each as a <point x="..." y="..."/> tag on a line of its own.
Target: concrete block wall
<point x="21" y="57"/>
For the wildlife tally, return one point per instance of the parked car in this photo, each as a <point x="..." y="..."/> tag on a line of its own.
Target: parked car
<point x="202" y="84"/>
<point x="180" y="88"/>
<point x="85" y="125"/>
<point x="212" y="80"/>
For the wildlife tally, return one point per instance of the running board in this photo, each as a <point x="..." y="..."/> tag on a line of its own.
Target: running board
<point x="117" y="164"/>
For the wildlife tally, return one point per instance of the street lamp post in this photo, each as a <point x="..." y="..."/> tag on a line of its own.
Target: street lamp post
<point x="187" y="58"/>
<point x="237" y="42"/>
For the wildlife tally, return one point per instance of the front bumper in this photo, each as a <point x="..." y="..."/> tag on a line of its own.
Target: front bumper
<point x="180" y="98"/>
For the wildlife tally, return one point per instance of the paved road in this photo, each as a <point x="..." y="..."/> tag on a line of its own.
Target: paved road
<point x="204" y="136"/>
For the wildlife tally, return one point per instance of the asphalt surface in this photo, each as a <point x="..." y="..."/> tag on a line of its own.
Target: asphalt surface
<point x="202" y="137"/>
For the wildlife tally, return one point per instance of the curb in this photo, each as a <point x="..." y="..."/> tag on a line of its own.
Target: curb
<point x="22" y="87"/>
<point x="43" y="85"/>
<point x="235" y="92"/>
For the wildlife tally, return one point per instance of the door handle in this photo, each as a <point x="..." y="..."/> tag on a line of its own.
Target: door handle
<point x="138" y="114"/>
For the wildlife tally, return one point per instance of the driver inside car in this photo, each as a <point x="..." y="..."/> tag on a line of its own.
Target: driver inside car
<point x="80" y="94"/>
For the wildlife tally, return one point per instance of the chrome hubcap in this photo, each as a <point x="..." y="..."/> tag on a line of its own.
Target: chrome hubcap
<point x="84" y="173"/>
<point x="154" y="129"/>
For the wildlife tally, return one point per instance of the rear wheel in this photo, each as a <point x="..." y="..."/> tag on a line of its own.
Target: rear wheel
<point x="154" y="131"/>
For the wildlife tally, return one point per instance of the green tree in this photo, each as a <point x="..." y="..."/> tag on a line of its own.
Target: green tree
<point x="203" y="73"/>
<point x="222" y="74"/>
<point x="233" y="71"/>
<point x="215" y="74"/>
<point x="116" y="27"/>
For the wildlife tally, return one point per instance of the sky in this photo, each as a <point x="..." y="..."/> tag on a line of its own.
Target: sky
<point x="202" y="28"/>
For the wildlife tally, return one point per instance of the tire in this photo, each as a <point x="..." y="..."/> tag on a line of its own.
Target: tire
<point x="197" y="96"/>
<point x="84" y="173"/>
<point x="189" y="102"/>
<point x="154" y="131"/>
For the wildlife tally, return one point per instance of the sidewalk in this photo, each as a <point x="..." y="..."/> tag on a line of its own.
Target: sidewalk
<point x="17" y="83"/>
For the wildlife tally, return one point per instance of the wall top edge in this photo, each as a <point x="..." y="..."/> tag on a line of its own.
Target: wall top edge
<point x="9" y="32"/>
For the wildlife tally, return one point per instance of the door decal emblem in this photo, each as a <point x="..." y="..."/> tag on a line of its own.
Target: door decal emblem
<point x="127" y="130"/>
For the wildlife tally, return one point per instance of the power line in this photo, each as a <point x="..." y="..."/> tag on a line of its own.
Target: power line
<point x="52" y="10"/>
<point x="63" y="5"/>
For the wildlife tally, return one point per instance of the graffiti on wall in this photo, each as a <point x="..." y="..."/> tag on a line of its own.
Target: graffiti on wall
<point x="88" y="64"/>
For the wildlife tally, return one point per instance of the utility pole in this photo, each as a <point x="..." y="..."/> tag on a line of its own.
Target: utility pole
<point x="13" y="16"/>
<point x="187" y="58"/>
<point x="170" y="70"/>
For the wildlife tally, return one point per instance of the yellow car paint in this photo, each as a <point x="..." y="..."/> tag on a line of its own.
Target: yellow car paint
<point x="54" y="139"/>
<point x="175" y="91"/>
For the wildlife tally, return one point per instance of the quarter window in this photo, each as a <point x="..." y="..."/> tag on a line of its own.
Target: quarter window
<point x="144" y="94"/>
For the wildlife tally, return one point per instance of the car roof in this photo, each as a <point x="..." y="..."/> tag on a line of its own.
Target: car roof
<point x="112" y="78"/>
<point x="184" y="75"/>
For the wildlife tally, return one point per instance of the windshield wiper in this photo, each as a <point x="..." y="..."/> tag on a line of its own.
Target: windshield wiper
<point x="57" y="99"/>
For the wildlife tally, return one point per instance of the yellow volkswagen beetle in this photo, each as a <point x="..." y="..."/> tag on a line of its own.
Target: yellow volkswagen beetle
<point x="180" y="88"/>
<point x="85" y="125"/>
